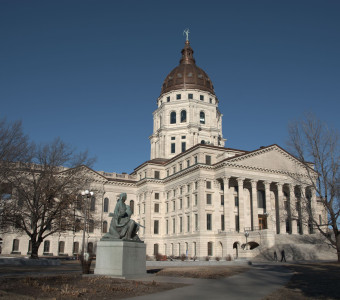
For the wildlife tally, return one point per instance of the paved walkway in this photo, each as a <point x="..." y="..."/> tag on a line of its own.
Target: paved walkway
<point x="260" y="281"/>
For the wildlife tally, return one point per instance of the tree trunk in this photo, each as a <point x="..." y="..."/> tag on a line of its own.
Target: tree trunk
<point x="35" y="248"/>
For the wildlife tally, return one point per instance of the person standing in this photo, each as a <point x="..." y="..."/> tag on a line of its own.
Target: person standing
<point x="275" y="256"/>
<point x="283" y="255"/>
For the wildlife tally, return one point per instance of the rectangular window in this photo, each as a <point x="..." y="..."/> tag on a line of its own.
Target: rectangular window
<point x="188" y="223"/>
<point x="196" y="160"/>
<point x="201" y="97"/>
<point x="155" y="226"/>
<point x="209" y="222"/>
<point x="195" y="199"/>
<point x="156" y="174"/>
<point x="183" y="146"/>
<point x="168" y="99"/>
<point x="156" y="207"/>
<point x="178" y="96"/>
<point x="208" y="199"/>
<point x="174" y="170"/>
<point x="261" y="199"/>
<point x="173" y="225"/>
<point x="190" y="96"/>
<point x="222" y="199"/>
<point x="173" y="205"/>
<point x="196" y="185"/>
<point x="188" y="202"/>
<point x="237" y="223"/>
<point x="208" y="160"/>
<point x="157" y="196"/>
<point x="173" y="138"/>
<point x="180" y="224"/>
<point x="180" y="167"/>
<point x="236" y="201"/>
<point x="188" y="188"/>
<point x="183" y="137"/>
<point x="196" y="222"/>
<point x="208" y="183"/>
<point x="188" y="163"/>
<point x="222" y="223"/>
<point x="167" y="226"/>
<point x="210" y="100"/>
<point x="210" y="248"/>
<point x="167" y="173"/>
<point x="167" y="207"/>
<point x="173" y="148"/>
<point x="180" y="203"/>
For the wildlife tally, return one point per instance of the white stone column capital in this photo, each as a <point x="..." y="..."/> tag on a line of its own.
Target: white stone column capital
<point x="253" y="183"/>
<point x="266" y="184"/>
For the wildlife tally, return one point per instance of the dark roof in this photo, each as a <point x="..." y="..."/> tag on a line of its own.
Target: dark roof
<point x="187" y="75"/>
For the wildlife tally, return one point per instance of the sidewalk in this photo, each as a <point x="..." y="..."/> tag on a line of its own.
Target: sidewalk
<point x="259" y="281"/>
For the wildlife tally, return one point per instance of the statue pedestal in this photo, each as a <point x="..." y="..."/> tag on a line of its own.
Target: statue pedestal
<point x="120" y="258"/>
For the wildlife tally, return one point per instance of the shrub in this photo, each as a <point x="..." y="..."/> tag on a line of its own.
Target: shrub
<point x="217" y="258"/>
<point x="228" y="257"/>
<point x="183" y="257"/>
<point x="194" y="258"/>
<point x="160" y="257"/>
<point x="207" y="258"/>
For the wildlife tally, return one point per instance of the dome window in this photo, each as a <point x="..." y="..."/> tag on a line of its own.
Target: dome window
<point x="173" y="118"/>
<point x="190" y="74"/>
<point x="179" y="75"/>
<point x="178" y="96"/>
<point x="200" y="76"/>
<point x="183" y="116"/>
<point x="190" y="96"/>
<point x="202" y="117"/>
<point x="201" y="97"/>
<point x="168" y="99"/>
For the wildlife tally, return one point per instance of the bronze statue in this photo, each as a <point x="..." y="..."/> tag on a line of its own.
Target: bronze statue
<point x="122" y="226"/>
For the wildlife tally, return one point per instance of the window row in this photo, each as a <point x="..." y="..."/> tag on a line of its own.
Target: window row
<point x="183" y="117"/>
<point x="47" y="247"/>
<point x="190" y="97"/>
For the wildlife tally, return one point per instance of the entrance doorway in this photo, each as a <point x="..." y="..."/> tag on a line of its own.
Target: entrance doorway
<point x="262" y="222"/>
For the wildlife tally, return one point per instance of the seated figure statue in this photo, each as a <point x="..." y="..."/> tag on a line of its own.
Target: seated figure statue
<point x="122" y="226"/>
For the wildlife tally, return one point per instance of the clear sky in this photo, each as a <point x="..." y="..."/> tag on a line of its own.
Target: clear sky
<point x="90" y="72"/>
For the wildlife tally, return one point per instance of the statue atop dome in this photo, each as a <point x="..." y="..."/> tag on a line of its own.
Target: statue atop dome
<point x="186" y="32"/>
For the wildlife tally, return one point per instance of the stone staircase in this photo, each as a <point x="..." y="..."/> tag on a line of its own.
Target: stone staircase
<point x="298" y="247"/>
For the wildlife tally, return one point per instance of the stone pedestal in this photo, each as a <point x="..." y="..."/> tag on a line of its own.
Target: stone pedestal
<point x="120" y="258"/>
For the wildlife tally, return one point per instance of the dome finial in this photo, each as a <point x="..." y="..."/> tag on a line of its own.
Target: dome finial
<point x="186" y="32"/>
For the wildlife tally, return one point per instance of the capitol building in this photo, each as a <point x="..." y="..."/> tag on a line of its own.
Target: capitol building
<point x="195" y="196"/>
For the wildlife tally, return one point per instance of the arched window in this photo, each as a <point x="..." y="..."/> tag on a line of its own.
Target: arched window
<point x="46" y="246"/>
<point x="106" y="204"/>
<point x="61" y="247"/>
<point x="155" y="249"/>
<point x="202" y="117"/>
<point x="173" y="118"/>
<point x="132" y="206"/>
<point x="210" y="248"/>
<point x="91" y="226"/>
<point x="93" y="204"/>
<point x="15" y="247"/>
<point x="104" y="230"/>
<point x="77" y="225"/>
<point x="90" y="247"/>
<point x="29" y="251"/>
<point x="79" y="202"/>
<point x="75" y="247"/>
<point x="183" y="116"/>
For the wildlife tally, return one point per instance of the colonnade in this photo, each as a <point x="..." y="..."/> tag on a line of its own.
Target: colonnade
<point x="285" y="209"/>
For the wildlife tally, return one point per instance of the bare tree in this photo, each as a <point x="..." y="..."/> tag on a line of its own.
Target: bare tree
<point x="44" y="189"/>
<point x="317" y="146"/>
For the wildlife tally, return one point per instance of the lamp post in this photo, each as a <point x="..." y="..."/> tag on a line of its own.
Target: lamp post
<point x="246" y="234"/>
<point x="86" y="195"/>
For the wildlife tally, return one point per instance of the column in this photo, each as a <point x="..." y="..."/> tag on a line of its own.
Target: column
<point x="314" y="212"/>
<point x="240" y="203"/>
<point x="280" y="207"/>
<point x="269" y="210"/>
<point x="292" y="210"/>
<point x="202" y="218"/>
<point x="305" y="209"/>
<point x="148" y="215"/>
<point x="254" y="205"/>
<point x="227" y="204"/>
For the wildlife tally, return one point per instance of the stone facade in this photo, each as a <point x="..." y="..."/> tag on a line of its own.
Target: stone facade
<point x="195" y="196"/>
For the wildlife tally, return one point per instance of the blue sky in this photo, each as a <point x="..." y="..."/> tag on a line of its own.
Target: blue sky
<point x="90" y="71"/>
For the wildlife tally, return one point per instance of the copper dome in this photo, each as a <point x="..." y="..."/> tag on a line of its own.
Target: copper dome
<point x="187" y="75"/>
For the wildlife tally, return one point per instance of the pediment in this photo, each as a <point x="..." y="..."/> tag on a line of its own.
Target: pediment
<point x="271" y="158"/>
